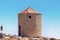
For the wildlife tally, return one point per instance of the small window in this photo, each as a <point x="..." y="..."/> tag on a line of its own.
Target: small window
<point x="29" y="17"/>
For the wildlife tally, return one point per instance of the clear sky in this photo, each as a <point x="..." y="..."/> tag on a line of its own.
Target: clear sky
<point x="50" y="10"/>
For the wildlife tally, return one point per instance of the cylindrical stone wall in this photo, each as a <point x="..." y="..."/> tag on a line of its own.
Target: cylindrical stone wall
<point x="29" y="24"/>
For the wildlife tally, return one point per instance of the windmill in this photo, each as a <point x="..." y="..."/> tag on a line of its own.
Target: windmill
<point x="1" y="28"/>
<point x="1" y="34"/>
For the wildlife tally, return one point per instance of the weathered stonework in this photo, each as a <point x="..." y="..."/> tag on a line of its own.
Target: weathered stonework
<point x="29" y="24"/>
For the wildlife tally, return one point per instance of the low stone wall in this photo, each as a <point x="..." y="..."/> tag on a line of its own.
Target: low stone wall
<point x="26" y="38"/>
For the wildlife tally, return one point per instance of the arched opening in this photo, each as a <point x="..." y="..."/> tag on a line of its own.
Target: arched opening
<point x="19" y="32"/>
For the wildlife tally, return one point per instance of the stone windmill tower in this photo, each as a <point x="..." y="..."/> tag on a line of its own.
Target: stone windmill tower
<point x="29" y="23"/>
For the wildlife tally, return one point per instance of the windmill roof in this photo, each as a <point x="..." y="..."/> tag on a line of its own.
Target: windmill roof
<point x="29" y="10"/>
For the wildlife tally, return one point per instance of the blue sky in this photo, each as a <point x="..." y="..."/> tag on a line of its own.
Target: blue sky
<point x="50" y="10"/>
